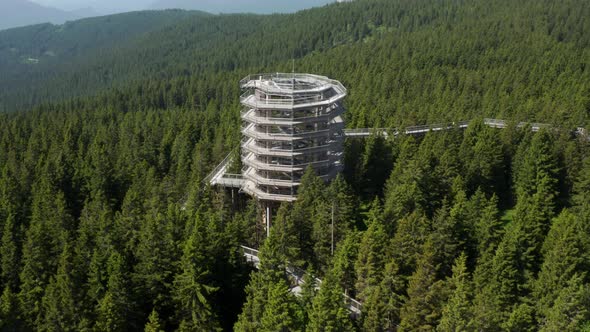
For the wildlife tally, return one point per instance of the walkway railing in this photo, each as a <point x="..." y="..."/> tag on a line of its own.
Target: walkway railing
<point x="252" y="256"/>
<point x="218" y="175"/>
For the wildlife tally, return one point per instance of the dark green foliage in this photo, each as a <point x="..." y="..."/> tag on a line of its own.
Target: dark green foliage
<point x="456" y="314"/>
<point x="328" y="312"/>
<point x="570" y="311"/>
<point x="105" y="223"/>
<point x="566" y="257"/>
<point x="59" y="311"/>
<point x="383" y="304"/>
<point x="426" y="295"/>
<point x="153" y="324"/>
<point x="8" y="310"/>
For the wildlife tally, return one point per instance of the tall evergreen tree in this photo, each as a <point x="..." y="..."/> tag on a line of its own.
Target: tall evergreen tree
<point x="536" y="188"/>
<point x="153" y="324"/>
<point x="310" y="194"/>
<point x="381" y="310"/>
<point x="115" y="308"/>
<point x="191" y="288"/>
<point x="9" y="256"/>
<point x="8" y="311"/>
<point x="456" y="314"/>
<point x="426" y="295"/>
<point x="372" y="253"/>
<point x="282" y="312"/>
<point x="570" y="311"/>
<point x="59" y="311"/>
<point x="328" y="313"/>
<point x="565" y="255"/>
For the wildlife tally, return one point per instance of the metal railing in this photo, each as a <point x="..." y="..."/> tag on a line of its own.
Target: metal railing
<point x="220" y="167"/>
<point x="298" y="274"/>
<point x="249" y="116"/>
<point x="320" y="81"/>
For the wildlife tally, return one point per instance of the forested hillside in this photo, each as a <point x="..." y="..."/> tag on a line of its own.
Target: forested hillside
<point x="106" y="225"/>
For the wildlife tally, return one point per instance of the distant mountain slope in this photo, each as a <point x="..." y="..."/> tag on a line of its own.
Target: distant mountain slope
<point x="431" y="60"/>
<point x="15" y="13"/>
<point x="46" y="41"/>
<point x="241" y="6"/>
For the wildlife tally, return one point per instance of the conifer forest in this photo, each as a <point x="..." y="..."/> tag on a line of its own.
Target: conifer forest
<point x="109" y="125"/>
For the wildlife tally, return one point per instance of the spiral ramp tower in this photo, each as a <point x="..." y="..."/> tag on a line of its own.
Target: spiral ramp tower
<point x="291" y="122"/>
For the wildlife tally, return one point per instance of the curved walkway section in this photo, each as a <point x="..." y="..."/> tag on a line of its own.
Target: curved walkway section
<point x="296" y="274"/>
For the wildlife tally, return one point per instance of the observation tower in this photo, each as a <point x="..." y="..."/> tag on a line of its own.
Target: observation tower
<point x="291" y="122"/>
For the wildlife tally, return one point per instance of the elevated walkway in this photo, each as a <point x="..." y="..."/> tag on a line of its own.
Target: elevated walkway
<point x="219" y="175"/>
<point x="296" y="275"/>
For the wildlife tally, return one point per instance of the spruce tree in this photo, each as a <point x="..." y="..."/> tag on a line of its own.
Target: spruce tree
<point x="282" y="312"/>
<point x="271" y="273"/>
<point x="499" y="282"/>
<point x="381" y="310"/>
<point x="410" y="236"/>
<point x="426" y="295"/>
<point x="537" y="190"/>
<point x="8" y="311"/>
<point x="372" y="253"/>
<point x="115" y="308"/>
<point x="571" y="309"/>
<point x="457" y="312"/>
<point x="154" y="271"/>
<point x="310" y="193"/>
<point x="481" y="152"/>
<point x="153" y="324"/>
<point x="565" y="255"/>
<point x="191" y="290"/>
<point x="9" y="258"/>
<point x="59" y="311"/>
<point x="329" y="313"/>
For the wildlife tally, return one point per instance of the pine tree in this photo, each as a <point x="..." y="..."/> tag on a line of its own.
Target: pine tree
<point x="571" y="309"/>
<point x="309" y="195"/>
<point x="285" y="236"/>
<point x="191" y="289"/>
<point x="426" y="295"/>
<point x="408" y="240"/>
<point x="482" y="154"/>
<point x="309" y="290"/>
<point x="59" y="311"/>
<point x="376" y="165"/>
<point x="329" y="313"/>
<point x="499" y="282"/>
<point x="405" y="191"/>
<point x="581" y="197"/>
<point x="321" y="236"/>
<point x="8" y="310"/>
<point x="156" y="249"/>
<point x="114" y="309"/>
<point x="381" y="310"/>
<point x="153" y="324"/>
<point x="488" y="228"/>
<point x="281" y="313"/>
<point x="372" y="253"/>
<point x="9" y="259"/>
<point x="536" y="188"/>
<point x="450" y="234"/>
<point x="343" y="264"/>
<point x="271" y="272"/>
<point x="565" y="254"/>
<point x="456" y="314"/>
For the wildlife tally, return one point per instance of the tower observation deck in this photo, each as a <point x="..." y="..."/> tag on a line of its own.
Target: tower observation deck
<point x="290" y="122"/>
